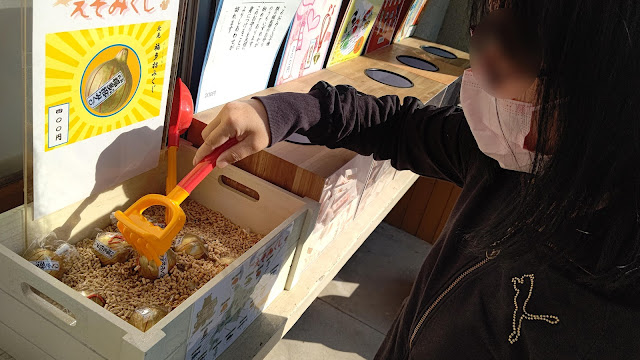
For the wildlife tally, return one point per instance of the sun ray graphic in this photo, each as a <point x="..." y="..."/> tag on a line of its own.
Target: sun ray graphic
<point x="110" y="77"/>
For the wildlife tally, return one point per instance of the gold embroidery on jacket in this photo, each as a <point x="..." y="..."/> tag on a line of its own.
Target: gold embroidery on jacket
<point x="520" y="312"/>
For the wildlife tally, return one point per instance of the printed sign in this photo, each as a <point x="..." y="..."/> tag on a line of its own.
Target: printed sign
<point x="410" y="20"/>
<point x="244" y="42"/>
<point x="354" y="31"/>
<point x="385" y="25"/>
<point x="309" y="39"/>
<point x="99" y="94"/>
<point x="112" y="90"/>
<point x="223" y="313"/>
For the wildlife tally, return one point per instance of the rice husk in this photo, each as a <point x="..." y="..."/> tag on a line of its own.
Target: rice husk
<point x="124" y="289"/>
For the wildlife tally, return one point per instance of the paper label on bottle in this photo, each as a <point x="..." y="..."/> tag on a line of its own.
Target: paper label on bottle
<point x="105" y="91"/>
<point x="178" y="241"/>
<point x="164" y="266"/>
<point x="104" y="249"/>
<point x="47" y="265"/>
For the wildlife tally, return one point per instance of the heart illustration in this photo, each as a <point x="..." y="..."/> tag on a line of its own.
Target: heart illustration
<point x="313" y="20"/>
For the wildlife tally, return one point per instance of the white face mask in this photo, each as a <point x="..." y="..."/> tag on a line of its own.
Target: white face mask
<point x="498" y="125"/>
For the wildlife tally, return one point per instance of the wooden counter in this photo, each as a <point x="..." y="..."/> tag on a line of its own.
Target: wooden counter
<point x="423" y="88"/>
<point x="305" y="83"/>
<point x="463" y="58"/>
<point x="446" y="74"/>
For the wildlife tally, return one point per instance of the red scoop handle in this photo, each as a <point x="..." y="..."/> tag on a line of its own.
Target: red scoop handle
<point x="204" y="167"/>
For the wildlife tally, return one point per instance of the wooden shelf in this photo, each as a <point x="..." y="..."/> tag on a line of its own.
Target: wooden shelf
<point x="261" y="336"/>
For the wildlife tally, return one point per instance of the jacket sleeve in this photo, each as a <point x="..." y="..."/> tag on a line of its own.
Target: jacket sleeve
<point x="427" y="140"/>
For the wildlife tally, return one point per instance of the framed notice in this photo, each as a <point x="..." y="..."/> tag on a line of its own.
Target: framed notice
<point x="100" y="83"/>
<point x="385" y="25"/>
<point x="309" y="39"/>
<point x="354" y="30"/>
<point x="244" y="42"/>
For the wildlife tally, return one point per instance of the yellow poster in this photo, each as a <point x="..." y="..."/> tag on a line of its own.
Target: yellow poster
<point x="94" y="86"/>
<point x="354" y="30"/>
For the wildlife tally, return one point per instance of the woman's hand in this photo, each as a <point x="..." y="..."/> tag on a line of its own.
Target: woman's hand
<point x="246" y="121"/>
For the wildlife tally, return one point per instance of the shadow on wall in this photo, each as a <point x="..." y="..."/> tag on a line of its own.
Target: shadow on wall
<point x="108" y="173"/>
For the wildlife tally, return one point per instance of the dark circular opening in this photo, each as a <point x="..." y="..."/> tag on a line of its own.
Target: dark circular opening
<point x="389" y="78"/>
<point x="416" y="62"/>
<point x="298" y="139"/>
<point x="439" y="52"/>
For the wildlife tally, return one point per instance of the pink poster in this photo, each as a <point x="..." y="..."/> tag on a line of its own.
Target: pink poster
<point x="385" y="25"/>
<point x="309" y="39"/>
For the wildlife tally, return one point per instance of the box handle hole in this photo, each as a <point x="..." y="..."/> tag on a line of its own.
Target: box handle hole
<point x="240" y="188"/>
<point x="49" y="305"/>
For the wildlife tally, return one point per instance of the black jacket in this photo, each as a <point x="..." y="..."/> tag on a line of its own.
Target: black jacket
<point x="462" y="306"/>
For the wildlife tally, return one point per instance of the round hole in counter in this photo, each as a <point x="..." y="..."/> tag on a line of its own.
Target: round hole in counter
<point x="298" y="139"/>
<point x="439" y="52"/>
<point x="416" y="62"/>
<point x="389" y="78"/>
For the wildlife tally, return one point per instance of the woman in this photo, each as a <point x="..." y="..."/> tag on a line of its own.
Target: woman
<point x="540" y="257"/>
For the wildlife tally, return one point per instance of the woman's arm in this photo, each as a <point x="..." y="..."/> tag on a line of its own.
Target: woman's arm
<point x="430" y="141"/>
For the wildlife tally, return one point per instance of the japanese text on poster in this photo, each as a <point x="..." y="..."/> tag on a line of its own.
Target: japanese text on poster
<point x="244" y="42"/>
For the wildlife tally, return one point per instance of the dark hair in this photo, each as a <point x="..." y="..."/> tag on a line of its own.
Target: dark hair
<point x="582" y="203"/>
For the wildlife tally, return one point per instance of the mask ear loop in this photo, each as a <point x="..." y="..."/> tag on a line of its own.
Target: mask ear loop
<point x="495" y="102"/>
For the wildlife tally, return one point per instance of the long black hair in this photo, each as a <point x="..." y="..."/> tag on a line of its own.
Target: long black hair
<point x="589" y="96"/>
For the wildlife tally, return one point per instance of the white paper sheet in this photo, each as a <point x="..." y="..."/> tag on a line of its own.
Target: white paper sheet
<point x="244" y="42"/>
<point x="97" y="122"/>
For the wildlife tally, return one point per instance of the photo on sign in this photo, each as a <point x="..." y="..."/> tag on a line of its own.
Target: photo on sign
<point x="385" y="25"/>
<point x="354" y="31"/>
<point x="94" y="86"/>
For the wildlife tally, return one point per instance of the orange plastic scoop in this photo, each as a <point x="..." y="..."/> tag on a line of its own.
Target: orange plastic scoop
<point x="153" y="241"/>
<point x="181" y="116"/>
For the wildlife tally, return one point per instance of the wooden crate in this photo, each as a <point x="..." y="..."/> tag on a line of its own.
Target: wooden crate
<point x="317" y="172"/>
<point x="334" y="177"/>
<point x="423" y="89"/>
<point x="462" y="61"/>
<point x="446" y="74"/>
<point x="33" y="327"/>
